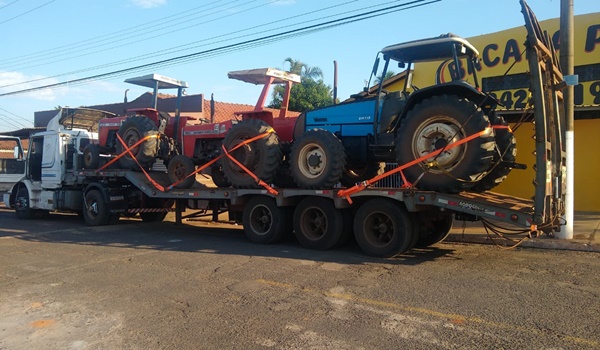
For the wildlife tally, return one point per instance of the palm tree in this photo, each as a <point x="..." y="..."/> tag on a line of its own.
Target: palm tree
<point x="302" y="69"/>
<point x="388" y="75"/>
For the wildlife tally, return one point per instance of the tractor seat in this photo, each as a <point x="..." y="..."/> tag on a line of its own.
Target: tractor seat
<point x="393" y="104"/>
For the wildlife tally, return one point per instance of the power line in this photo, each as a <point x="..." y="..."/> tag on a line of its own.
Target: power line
<point x="10" y="3"/>
<point x="15" y="115"/>
<point x="241" y="45"/>
<point x="8" y="120"/>
<point x="122" y="36"/>
<point x="26" y="12"/>
<point x="144" y="26"/>
<point x="189" y="47"/>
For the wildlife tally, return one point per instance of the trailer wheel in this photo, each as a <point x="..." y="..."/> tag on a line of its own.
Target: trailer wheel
<point x="160" y="203"/>
<point x="22" y="208"/>
<point x="383" y="228"/>
<point x="95" y="212"/>
<point x="504" y="152"/>
<point x="264" y="222"/>
<point x="317" y="223"/>
<point x="261" y="157"/>
<point x="433" y="230"/>
<point x="435" y="123"/>
<point x="353" y="175"/>
<point x="153" y="217"/>
<point x="218" y="176"/>
<point x="179" y="167"/>
<point x="318" y="159"/>
<point x="91" y="156"/>
<point x="131" y="131"/>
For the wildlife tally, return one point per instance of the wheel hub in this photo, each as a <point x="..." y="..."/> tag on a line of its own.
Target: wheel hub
<point x="436" y="136"/>
<point x="313" y="161"/>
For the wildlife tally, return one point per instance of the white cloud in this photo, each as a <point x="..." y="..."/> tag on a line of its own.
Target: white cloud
<point x="146" y="4"/>
<point x="27" y="82"/>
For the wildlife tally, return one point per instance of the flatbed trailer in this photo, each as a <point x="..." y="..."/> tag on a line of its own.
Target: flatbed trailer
<point x="488" y="205"/>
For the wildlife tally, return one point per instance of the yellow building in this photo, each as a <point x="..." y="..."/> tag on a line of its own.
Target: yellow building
<point x="503" y="72"/>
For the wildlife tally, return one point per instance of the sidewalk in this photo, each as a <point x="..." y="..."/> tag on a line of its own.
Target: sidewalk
<point x="586" y="235"/>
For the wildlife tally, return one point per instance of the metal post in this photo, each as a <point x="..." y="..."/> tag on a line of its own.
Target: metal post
<point x="567" y="66"/>
<point x="335" y="81"/>
<point x="155" y="102"/>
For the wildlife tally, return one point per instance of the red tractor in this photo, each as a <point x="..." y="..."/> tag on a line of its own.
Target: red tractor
<point x="182" y="146"/>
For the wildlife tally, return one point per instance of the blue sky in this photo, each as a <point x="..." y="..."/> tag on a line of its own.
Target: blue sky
<point x="54" y="41"/>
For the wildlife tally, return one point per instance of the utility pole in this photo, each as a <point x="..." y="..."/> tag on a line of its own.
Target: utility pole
<point x="567" y="65"/>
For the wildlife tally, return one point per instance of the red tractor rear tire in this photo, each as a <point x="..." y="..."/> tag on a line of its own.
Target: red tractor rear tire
<point x="131" y="131"/>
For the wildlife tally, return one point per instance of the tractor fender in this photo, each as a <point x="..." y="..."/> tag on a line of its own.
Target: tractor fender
<point x="457" y="88"/>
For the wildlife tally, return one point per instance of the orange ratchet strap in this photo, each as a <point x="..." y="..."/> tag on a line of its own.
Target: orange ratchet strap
<point x="127" y="149"/>
<point x="270" y="189"/>
<point x="361" y="186"/>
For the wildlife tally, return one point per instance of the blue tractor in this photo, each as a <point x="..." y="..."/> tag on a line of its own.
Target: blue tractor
<point x="350" y="142"/>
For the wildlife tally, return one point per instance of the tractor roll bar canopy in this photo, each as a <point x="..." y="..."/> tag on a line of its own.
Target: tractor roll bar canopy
<point x="431" y="49"/>
<point x="260" y="76"/>
<point x="81" y="118"/>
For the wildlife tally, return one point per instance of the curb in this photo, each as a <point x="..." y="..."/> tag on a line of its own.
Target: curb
<point x="539" y="243"/>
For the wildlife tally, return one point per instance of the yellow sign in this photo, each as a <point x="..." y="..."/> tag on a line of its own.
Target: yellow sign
<point x="502" y="68"/>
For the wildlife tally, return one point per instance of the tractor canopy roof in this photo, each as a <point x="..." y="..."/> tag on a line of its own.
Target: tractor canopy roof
<point x="431" y="49"/>
<point x="151" y="81"/>
<point x="79" y="118"/>
<point x="262" y="75"/>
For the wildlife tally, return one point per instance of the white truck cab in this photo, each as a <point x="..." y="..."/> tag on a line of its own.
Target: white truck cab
<point x="48" y="181"/>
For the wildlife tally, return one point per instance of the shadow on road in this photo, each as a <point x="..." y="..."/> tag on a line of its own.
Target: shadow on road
<point x="192" y="237"/>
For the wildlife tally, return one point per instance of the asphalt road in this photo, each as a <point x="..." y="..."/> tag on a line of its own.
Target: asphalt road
<point x="160" y="286"/>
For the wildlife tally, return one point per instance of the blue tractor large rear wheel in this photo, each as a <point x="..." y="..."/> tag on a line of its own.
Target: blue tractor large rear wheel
<point x="434" y="124"/>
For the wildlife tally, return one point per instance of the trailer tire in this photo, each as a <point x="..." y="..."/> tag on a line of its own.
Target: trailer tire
<point x="434" y="123"/>
<point x="95" y="211"/>
<point x="264" y="222"/>
<point x="352" y="176"/>
<point x="179" y="167"/>
<point x="91" y="156"/>
<point x="218" y="176"/>
<point x="131" y="131"/>
<point x="432" y="231"/>
<point x="318" y="224"/>
<point x="22" y="208"/>
<point x="504" y="152"/>
<point x="262" y="157"/>
<point x="153" y="217"/>
<point x="318" y="160"/>
<point x="383" y="228"/>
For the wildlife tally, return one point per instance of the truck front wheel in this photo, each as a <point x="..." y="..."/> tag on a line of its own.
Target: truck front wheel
<point x="95" y="212"/>
<point x="22" y="208"/>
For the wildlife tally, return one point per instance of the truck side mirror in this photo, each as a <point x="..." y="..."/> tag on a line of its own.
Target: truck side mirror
<point x="17" y="152"/>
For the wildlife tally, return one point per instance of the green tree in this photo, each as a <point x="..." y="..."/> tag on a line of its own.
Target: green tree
<point x="309" y="94"/>
<point x="388" y="75"/>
